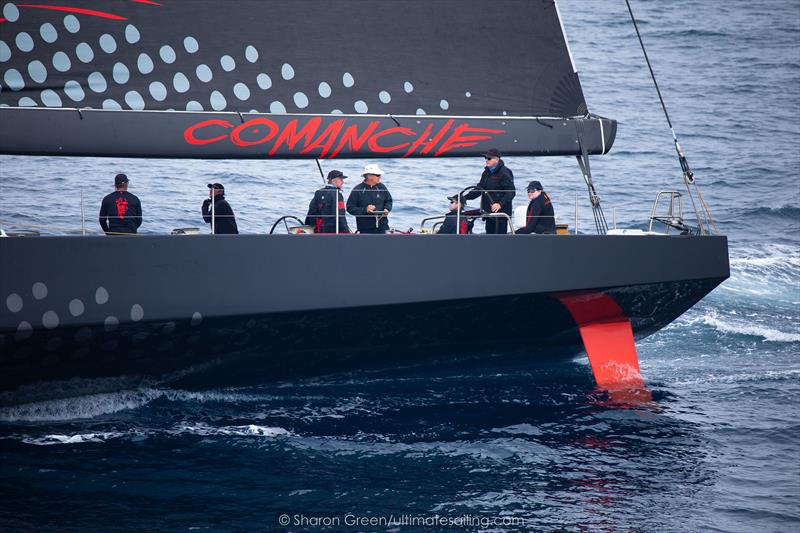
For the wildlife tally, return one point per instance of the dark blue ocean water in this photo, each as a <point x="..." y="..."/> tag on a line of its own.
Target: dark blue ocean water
<point x="497" y="437"/>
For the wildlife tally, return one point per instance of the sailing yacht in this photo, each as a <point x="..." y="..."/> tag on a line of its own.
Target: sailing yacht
<point x="293" y="79"/>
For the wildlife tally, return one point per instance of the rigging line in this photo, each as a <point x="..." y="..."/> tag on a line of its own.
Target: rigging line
<point x="652" y="75"/>
<point x="321" y="173"/>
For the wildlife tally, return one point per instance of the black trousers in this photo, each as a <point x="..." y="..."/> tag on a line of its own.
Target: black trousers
<point x="496" y="225"/>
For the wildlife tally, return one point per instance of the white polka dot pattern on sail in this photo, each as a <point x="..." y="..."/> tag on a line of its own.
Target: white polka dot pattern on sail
<point x="300" y="100"/>
<point x="48" y="32"/>
<point x="108" y="44"/>
<point x="24" y="41"/>
<point x="264" y="81"/>
<point x="84" y="53"/>
<point x="39" y="290"/>
<point x="74" y="91"/>
<point x="14" y="302"/>
<point x="241" y="91"/>
<point x="61" y="62"/>
<point x="37" y="71"/>
<point x="10" y="12"/>
<point x="190" y="45"/>
<point x="167" y="54"/>
<point x="101" y="295"/>
<point x="132" y="34"/>
<point x="120" y="73"/>
<point x="217" y="100"/>
<point x="14" y="80"/>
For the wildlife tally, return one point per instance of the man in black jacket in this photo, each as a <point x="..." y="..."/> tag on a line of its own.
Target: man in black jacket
<point x="540" y="217"/>
<point x="121" y="211"/>
<point x="325" y="207"/>
<point x="451" y="219"/>
<point x="498" y="181"/>
<point x="224" y="221"/>
<point x="370" y="202"/>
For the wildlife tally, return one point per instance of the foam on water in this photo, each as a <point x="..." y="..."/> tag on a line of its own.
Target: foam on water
<point x="80" y="407"/>
<point x="743" y="326"/>
<point x="249" y="430"/>
<point x="80" y="438"/>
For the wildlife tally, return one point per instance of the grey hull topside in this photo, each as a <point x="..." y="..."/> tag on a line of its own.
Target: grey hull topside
<point x="58" y="282"/>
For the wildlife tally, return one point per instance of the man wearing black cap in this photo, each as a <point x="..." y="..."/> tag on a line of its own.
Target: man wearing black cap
<point x="121" y="211"/>
<point x="498" y="182"/>
<point x="540" y="217"/>
<point x="451" y="219"/>
<point x="224" y="221"/>
<point x="328" y="205"/>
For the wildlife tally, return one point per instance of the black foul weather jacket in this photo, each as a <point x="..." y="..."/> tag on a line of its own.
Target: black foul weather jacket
<point x="450" y="222"/>
<point x="500" y="185"/>
<point x="120" y="212"/>
<point x="363" y="195"/>
<point x="225" y="221"/>
<point x="540" y="217"/>
<point x="322" y="213"/>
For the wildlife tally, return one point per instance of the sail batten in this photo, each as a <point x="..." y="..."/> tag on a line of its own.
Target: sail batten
<point x="360" y="61"/>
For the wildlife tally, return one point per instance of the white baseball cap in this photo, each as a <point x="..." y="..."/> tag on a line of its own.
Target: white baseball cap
<point x="372" y="169"/>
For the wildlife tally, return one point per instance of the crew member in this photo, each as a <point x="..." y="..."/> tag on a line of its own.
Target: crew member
<point x="223" y="217"/>
<point x="370" y="202"/>
<point x="325" y="207"/>
<point x="497" y="181"/>
<point x="540" y="217"/>
<point x="121" y="211"/>
<point x="451" y="219"/>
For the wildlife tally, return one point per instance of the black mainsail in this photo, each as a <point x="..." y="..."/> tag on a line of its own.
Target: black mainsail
<point x="291" y="79"/>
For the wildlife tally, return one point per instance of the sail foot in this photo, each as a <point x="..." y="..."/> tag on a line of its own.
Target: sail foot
<point x="95" y="132"/>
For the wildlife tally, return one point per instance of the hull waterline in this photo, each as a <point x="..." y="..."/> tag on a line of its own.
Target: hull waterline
<point x="147" y="305"/>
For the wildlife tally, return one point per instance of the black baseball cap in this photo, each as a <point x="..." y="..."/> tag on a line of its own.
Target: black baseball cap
<point x="535" y="186"/>
<point x="492" y="152"/>
<point x="333" y="174"/>
<point x="119" y="179"/>
<point x="453" y="198"/>
<point x="216" y="186"/>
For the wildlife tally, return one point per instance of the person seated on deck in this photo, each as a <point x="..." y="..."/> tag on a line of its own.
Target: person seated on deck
<point x="121" y="211"/>
<point x="540" y="217"/>
<point x="324" y="207"/>
<point x="223" y="217"/>
<point x="451" y="219"/>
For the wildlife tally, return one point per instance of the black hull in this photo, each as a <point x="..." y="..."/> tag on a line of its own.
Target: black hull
<point x="311" y="304"/>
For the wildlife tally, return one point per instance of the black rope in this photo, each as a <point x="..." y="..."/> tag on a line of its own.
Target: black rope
<point x="321" y="173"/>
<point x="688" y="175"/>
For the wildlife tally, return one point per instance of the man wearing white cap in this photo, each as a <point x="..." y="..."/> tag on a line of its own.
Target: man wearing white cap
<point x="370" y="202"/>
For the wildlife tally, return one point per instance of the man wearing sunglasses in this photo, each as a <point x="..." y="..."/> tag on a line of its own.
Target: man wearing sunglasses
<point x="498" y="182"/>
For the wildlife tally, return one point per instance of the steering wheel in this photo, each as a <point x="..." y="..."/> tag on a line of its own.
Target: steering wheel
<point x="285" y="224"/>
